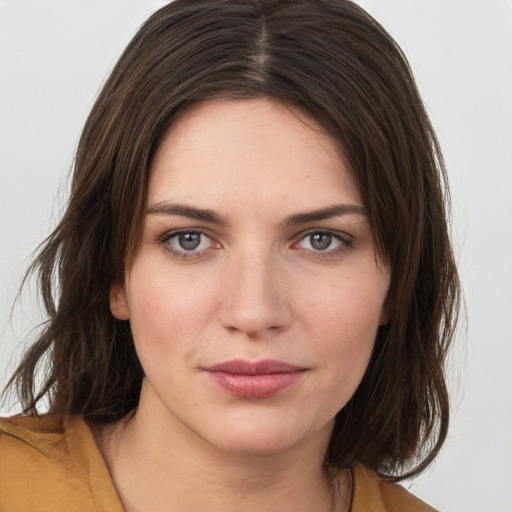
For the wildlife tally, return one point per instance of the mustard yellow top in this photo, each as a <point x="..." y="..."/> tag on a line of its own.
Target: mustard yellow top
<point x="51" y="464"/>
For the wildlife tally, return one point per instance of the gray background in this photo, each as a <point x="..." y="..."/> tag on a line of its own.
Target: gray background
<point x="54" y="54"/>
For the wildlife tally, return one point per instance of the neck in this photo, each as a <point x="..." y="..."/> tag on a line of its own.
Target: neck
<point x="161" y="465"/>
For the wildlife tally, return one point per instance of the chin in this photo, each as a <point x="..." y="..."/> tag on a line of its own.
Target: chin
<point x="264" y="444"/>
<point x="265" y="438"/>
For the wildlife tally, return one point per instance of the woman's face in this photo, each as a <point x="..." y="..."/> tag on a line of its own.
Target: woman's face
<point x="256" y="295"/>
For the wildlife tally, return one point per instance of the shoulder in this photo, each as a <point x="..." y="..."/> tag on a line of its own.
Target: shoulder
<point x="31" y="444"/>
<point x="48" y="463"/>
<point x="372" y="492"/>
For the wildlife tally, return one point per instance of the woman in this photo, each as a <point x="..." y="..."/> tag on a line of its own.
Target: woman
<point x="252" y="291"/>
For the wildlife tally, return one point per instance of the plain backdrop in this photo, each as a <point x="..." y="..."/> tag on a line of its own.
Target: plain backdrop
<point x="54" y="55"/>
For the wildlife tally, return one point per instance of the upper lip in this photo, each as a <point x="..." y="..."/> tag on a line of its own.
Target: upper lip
<point x="241" y="367"/>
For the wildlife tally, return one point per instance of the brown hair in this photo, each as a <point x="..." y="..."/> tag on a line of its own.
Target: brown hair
<point x="333" y="61"/>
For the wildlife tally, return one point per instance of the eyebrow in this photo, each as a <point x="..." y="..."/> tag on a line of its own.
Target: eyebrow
<point x="336" y="210"/>
<point x="191" y="212"/>
<point x="165" y="208"/>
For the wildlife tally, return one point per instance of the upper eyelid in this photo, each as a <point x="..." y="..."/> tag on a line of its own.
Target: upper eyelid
<point x="206" y="232"/>
<point x="346" y="241"/>
<point x="181" y="253"/>
<point x="165" y="237"/>
<point x="174" y="232"/>
<point x="334" y="232"/>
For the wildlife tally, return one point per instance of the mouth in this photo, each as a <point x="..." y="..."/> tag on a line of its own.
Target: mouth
<point x="254" y="380"/>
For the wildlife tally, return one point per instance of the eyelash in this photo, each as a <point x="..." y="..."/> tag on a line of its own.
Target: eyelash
<point x="345" y="243"/>
<point x="183" y="254"/>
<point x="345" y="240"/>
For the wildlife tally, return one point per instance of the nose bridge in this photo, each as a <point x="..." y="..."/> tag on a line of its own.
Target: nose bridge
<point x="254" y="301"/>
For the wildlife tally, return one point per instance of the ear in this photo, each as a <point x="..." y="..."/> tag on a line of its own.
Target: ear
<point x="385" y="312"/>
<point x="118" y="303"/>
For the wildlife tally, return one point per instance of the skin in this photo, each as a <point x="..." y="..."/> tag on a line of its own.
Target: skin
<point x="258" y="286"/>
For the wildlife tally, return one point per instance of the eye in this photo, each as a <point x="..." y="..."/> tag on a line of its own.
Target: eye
<point x="186" y="243"/>
<point x="324" y="241"/>
<point x="319" y="241"/>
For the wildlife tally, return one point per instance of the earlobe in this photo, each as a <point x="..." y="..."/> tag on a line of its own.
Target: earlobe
<point x="383" y="320"/>
<point x="384" y="313"/>
<point x="118" y="304"/>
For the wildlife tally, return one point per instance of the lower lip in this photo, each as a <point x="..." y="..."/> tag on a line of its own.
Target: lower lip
<point x="255" y="386"/>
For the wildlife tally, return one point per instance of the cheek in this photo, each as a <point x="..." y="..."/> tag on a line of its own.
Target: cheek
<point x="345" y="319"/>
<point x="167" y="312"/>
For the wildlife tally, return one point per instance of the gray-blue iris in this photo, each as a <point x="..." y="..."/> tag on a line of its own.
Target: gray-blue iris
<point x="189" y="241"/>
<point x="320" y="241"/>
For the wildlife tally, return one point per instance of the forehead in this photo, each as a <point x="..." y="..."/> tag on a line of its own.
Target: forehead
<point x="251" y="150"/>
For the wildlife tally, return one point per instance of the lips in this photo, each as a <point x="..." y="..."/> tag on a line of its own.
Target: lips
<point x="254" y="380"/>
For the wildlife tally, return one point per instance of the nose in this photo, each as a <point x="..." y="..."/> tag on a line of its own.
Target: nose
<point x="255" y="301"/>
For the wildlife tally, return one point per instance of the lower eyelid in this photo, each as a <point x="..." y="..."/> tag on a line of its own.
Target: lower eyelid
<point x="342" y="238"/>
<point x="183" y="253"/>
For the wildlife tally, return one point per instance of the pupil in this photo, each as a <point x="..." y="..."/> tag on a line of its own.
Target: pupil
<point x="189" y="241"/>
<point x="320" y="241"/>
